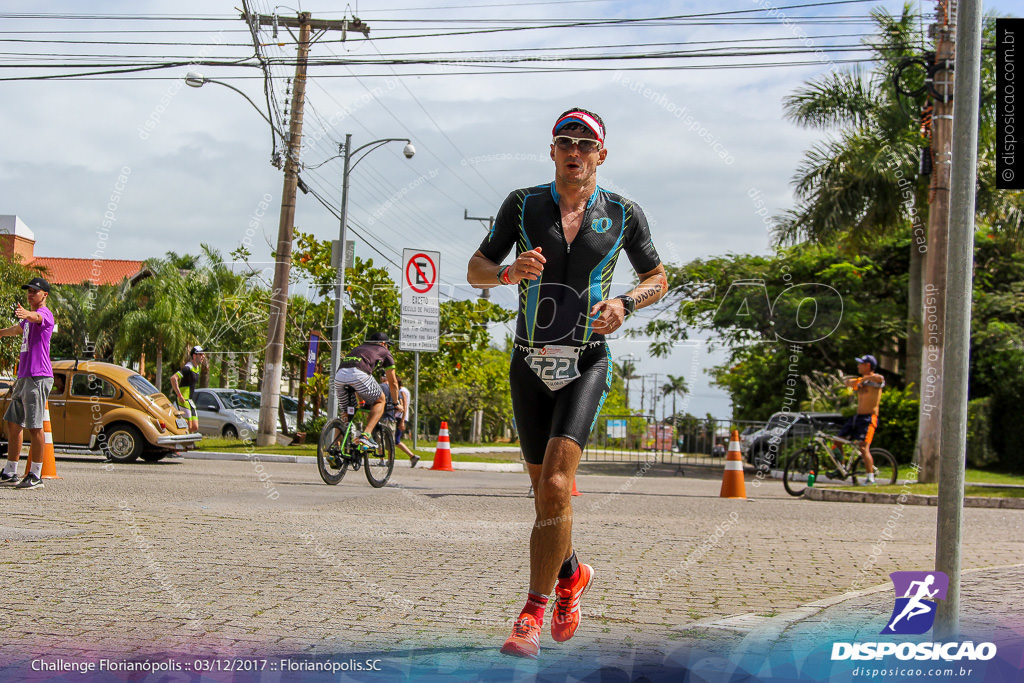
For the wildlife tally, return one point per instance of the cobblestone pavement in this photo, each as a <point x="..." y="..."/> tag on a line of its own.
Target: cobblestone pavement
<point x="215" y="558"/>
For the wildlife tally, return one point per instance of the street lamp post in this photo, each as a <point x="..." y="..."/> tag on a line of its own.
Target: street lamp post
<point x="339" y="310"/>
<point x="194" y="79"/>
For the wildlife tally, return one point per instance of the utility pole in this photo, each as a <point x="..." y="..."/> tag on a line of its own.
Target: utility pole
<point x="929" y="428"/>
<point x="949" y="531"/>
<point x="270" y="391"/>
<point x="484" y="293"/>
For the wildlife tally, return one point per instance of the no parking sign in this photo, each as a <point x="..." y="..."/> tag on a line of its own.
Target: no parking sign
<point x="421" y="308"/>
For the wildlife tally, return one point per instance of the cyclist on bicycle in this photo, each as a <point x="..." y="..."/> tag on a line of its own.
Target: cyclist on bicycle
<point x="861" y="427"/>
<point x="357" y="369"/>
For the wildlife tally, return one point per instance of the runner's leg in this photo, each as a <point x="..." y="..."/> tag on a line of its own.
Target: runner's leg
<point x="551" y="538"/>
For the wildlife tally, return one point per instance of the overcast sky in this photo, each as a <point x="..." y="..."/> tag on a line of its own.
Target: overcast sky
<point x="692" y="146"/>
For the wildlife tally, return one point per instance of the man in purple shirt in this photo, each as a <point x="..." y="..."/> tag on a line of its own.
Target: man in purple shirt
<point x="35" y="379"/>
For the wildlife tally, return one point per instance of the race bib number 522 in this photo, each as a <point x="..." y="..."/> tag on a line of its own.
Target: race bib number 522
<point x="555" y="365"/>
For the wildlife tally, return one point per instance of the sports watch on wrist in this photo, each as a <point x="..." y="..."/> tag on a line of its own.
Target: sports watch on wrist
<point x="629" y="302"/>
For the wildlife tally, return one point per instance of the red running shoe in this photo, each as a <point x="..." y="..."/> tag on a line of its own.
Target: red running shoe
<point x="525" y="638"/>
<point x="567" y="605"/>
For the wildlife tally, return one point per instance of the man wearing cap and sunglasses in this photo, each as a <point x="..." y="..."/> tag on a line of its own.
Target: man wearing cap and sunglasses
<point x="31" y="389"/>
<point x="357" y="369"/>
<point x="567" y="236"/>
<point x="184" y="383"/>
<point x="861" y="427"/>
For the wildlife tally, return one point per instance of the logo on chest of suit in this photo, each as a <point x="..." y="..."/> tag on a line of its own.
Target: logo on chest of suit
<point x="601" y="225"/>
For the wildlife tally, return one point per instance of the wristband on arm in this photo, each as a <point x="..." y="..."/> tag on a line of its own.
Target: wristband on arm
<point x="503" y="275"/>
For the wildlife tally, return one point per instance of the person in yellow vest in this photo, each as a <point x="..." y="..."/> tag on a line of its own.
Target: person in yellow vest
<point x="184" y="383"/>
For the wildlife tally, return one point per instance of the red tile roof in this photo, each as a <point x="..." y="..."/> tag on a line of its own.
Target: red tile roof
<point x="75" y="271"/>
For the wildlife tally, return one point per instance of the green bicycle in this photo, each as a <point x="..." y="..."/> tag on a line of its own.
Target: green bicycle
<point x="844" y="458"/>
<point x="338" y="448"/>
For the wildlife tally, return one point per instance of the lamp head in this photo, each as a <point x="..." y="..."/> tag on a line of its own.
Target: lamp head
<point x="409" y="150"/>
<point x="194" y="79"/>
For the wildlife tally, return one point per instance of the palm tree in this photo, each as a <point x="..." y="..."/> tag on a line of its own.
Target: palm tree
<point x="163" y="318"/>
<point x="850" y="189"/>
<point x="676" y="386"/>
<point x="628" y="371"/>
<point x="87" y="313"/>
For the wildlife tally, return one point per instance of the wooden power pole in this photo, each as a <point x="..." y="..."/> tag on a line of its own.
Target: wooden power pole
<point x="274" y="353"/>
<point x="934" y="291"/>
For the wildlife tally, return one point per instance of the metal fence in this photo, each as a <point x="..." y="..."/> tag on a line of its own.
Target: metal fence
<point x="643" y="439"/>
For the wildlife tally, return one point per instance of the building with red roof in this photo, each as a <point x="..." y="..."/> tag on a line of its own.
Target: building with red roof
<point x="17" y="240"/>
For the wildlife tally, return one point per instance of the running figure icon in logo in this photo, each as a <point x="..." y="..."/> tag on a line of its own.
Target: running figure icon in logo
<point x="914" y="612"/>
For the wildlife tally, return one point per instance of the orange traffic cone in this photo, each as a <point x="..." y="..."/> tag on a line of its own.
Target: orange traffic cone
<point x="49" y="458"/>
<point x="575" y="492"/>
<point x="732" y="478"/>
<point x="443" y="454"/>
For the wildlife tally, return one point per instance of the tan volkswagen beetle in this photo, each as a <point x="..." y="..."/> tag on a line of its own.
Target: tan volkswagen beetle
<point x="97" y="406"/>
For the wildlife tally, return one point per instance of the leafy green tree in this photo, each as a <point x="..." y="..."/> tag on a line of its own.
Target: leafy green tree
<point x="13" y="274"/>
<point x="479" y="384"/>
<point x="863" y="182"/>
<point x="751" y="307"/>
<point x="371" y="302"/>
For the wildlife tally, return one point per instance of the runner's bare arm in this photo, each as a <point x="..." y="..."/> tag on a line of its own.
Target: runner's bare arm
<point x="611" y="313"/>
<point x="653" y="285"/>
<point x="11" y="331"/>
<point x="483" y="272"/>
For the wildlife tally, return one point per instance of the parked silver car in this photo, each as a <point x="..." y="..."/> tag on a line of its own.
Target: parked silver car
<point x="227" y="412"/>
<point x="231" y="413"/>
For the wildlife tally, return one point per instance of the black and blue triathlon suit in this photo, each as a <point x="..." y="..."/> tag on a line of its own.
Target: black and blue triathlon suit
<point x="555" y="308"/>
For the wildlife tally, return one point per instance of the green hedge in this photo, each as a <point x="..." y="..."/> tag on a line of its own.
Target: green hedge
<point x="313" y="425"/>
<point x="980" y="452"/>
<point x="1007" y="427"/>
<point x="897" y="429"/>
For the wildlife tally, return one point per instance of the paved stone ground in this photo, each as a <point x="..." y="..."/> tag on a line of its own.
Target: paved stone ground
<point x="240" y="558"/>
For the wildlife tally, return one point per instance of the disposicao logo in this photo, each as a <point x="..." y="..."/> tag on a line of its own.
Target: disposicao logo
<point x="913" y="614"/>
<point x="916" y="593"/>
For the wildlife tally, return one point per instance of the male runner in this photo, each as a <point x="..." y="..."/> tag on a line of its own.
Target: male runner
<point x="861" y="427"/>
<point x="184" y="383"/>
<point x="567" y="237"/>
<point x="356" y="370"/>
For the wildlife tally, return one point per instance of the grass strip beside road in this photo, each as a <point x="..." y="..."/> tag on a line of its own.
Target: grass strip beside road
<point x="221" y="445"/>
<point x="933" y="490"/>
<point x="994" y="483"/>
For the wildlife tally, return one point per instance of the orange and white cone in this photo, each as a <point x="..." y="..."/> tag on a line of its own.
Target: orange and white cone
<point x="732" y="478"/>
<point x="49" y="457"/>
<point x="443" y="454"/>
<point x="575" y="491"/>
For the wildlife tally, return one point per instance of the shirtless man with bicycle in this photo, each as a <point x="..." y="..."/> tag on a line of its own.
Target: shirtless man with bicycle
<point x="861" y="427"/>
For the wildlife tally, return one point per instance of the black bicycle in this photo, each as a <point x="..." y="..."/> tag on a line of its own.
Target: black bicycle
<point x="842" y="456"/>
<point x="339" y="448"/>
